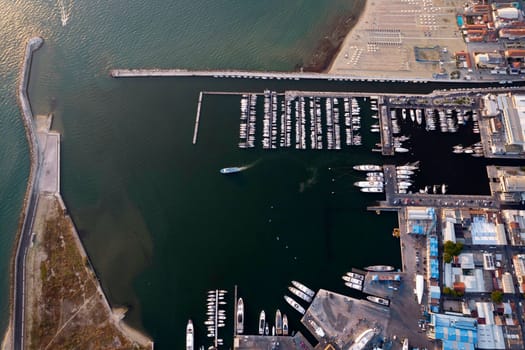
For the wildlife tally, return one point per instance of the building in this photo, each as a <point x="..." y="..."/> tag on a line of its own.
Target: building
<point x="508" y="185"/>
<point x="490" y="335"/>
<point x="454" y="330"/>
<point x="489" y="60"/>
<point x="510" y="108"/>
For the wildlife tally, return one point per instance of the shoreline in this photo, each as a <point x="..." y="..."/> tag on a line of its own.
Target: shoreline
<point x="365" y="10"/>
<point x="329" y="47"/>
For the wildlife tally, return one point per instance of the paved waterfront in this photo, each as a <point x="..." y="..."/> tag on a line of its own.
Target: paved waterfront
<point x="265" y="342"/>
<point x="342" y="318"/>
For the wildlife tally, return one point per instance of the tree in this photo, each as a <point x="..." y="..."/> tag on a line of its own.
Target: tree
<point x="496" y="296"/>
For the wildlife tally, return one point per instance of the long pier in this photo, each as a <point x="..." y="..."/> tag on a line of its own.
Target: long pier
<point x="242" y="74"/>
<point x="197" y="119"/>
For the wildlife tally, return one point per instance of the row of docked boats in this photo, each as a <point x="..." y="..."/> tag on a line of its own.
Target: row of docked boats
<point x="216" y="315"/>
<point x="280" y="327"/>
<point x="404" y="175"/>
<point x="476" y="150"/>
<point x="354" y="280"/>
<point x="448" y="119"/>
<point x="288" y="121"/>
<point x="248" y="121"/>
<point x="374" y="178"/>
<point x="434" y="189"/>
<point x="302" y="292"/>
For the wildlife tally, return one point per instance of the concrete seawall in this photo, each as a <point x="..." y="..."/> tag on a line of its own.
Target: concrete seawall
<point x="30" y="199"/>
<point x="243" y="74"/>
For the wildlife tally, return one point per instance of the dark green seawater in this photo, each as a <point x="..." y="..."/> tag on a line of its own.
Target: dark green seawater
<point x="159" y="222"/>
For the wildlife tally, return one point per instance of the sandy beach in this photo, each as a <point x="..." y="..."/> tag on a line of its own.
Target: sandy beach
<point x="384" y="42"/>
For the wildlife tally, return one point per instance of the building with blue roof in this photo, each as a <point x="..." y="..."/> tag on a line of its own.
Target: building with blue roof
<point x="456" y="332"/>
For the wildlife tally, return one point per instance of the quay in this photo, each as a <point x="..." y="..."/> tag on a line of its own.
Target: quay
<point x="385" y="121"/>
<point x="241" y="74"/>
<point x="270" y="75"/>
<point x="263" y="342"/>
<point x="394" y="200"/>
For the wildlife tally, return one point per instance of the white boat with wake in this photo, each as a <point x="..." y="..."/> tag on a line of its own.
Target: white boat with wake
<point x="231" y="170"/>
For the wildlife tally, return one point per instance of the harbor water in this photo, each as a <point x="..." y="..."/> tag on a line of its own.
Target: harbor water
<point x="160" y="223"/>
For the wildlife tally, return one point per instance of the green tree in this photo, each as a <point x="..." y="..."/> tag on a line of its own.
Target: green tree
<point x="496" y="296"/>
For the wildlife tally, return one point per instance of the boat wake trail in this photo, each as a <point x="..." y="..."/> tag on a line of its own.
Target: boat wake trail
<point x="251" y="165"/>
<point x="312" y="179"/>
<point x="66" y="7"/>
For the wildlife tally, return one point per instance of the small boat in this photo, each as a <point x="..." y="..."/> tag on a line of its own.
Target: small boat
<point x="353" y="285"/>
<point x="368" y="167"/>
<point x="375" y="173"/>
<point x="404" y="172"/>
<point x="189" y="335"/>
<point x="278" y="322"/>
<point x="262" y="322"/>
<point x="285" y="324"/>
<point x="379" y="268"/>
<point x="240" y="316"/>
<point x="266" y="329"/>
<point x="443" y="188"/>
<point x="369" y="184"/>
<point x="300" y="294"/>
<point x="372" y="189"/>
<point x="378" y="300"/>
<point x="231" y="170"/>
<point x="294" y="304"/>
<point x="303" y="288"/>
<point x="401" y="150"/>
<point x="346" y="278"/>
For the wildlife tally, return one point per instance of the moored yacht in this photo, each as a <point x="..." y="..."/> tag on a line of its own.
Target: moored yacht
<point x="379" y="268"/>
<point x="240" y="316"/>
<point x="372" y="189"/>
<point x="278" y="322"/>
<point x="189" y="335"/>
<point x="294" y="304"/>
<point x="262" y="322"/>
<point x="300" y="294"/>
<point x="285" y="324"/>
<point x="368" y="167"/>
<point x="303" y="288"/>
<point x="378" y="300"/>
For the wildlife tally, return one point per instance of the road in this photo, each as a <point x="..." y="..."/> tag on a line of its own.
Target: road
<point x="32" y="199"/>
